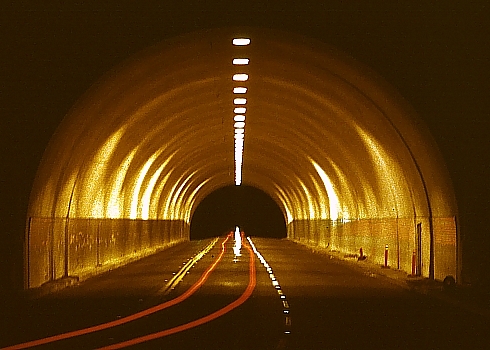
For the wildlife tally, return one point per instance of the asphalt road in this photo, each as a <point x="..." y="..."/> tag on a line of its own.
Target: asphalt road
<point x="330" y="305"/>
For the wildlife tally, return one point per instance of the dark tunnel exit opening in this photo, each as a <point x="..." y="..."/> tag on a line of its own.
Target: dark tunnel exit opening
<point x="248" y="207"/>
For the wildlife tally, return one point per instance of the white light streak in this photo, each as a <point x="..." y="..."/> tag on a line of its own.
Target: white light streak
<point x="239" y="118"/>
<point x="115" y="206"/>
<point x="139" y="182"/>
<point x="238" y="242"/>
<point x="240" y="101"/>
<point x="145" y="201"/>
<point x="238" y="174"/>
<point x="332" y="195"/>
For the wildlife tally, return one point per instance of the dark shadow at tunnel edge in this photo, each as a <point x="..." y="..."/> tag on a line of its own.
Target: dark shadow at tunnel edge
<point x="248" y="207"/>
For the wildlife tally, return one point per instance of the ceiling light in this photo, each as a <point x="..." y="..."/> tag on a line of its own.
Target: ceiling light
<point x="241" y="41"/>
<point x="240" y="61"/>
<point x="239" y="90"/>
<point x="240" y="110"/>
<point x="240" y="77"/>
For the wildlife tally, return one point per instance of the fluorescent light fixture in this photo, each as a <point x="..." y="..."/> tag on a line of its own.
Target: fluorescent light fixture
<point x="240" y="77"/>
<point x="240" y="110"/>
<point x="241" y="41"/>
<point x="240" y="61"/>
<point x="239" y="124"/>
<point x="239" y="90"/>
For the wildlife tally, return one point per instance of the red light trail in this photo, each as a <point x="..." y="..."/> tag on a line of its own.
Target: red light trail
<point x="132" y="317"/>
<point x="246" y="294"/>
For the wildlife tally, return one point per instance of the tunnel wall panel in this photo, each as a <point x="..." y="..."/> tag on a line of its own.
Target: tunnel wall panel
<point x="406" y="243"/>
<point x="373" y="235"/>
<point x="106" y="241"/>
<point x="39" y="253"/>
<point x="58" y="253"/>
<point x="93" y="244"/>
<point x="425" y="246"/>
<point x="82" y="253"/>
<point x="445" y="261"/>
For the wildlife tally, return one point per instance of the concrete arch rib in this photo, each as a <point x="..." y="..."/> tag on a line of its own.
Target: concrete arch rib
<point x="342" y="154"/>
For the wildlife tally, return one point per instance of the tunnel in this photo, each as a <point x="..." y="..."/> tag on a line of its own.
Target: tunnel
<point x="247" y="207"/>
<point x="344" y="157"/>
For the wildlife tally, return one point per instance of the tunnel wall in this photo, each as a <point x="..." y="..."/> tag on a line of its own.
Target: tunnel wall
<point x="373" y="235"/>
<point x="94" y="245"/>
<point x="327" y="139"/>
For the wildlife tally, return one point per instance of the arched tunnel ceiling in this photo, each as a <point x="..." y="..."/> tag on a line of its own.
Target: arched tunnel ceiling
<point x="325" y="137"/>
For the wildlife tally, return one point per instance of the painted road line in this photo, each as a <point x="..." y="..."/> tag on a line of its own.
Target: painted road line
<point x="182" y="272"/>
<point x="129" y="318"/>
<point x="277" y="286"/>
<point x="246" y="294"/>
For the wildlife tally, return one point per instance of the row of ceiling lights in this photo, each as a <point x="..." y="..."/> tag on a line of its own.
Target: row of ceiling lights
<point x="239" y="102"/>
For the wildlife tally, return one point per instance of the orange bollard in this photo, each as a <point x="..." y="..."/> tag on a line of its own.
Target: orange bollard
<point x="386" y="255"/>
<point x="361" y="257"/>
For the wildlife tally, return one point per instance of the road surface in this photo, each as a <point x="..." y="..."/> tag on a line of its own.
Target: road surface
<point x="278" y="296"/>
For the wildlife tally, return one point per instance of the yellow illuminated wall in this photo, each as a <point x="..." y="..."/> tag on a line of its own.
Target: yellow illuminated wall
<point x="342" y="154"/>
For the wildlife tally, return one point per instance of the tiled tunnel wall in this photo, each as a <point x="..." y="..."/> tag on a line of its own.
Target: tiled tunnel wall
<point x="94" y="245"/>
<point x="373" y="235"/>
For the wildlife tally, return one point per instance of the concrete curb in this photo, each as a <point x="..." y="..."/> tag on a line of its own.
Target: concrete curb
<point x="52" y="287"/>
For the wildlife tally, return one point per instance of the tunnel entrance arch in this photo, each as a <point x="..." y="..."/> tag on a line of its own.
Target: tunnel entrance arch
<point x="246" y="206"/>
<point x="345" y="157"/>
